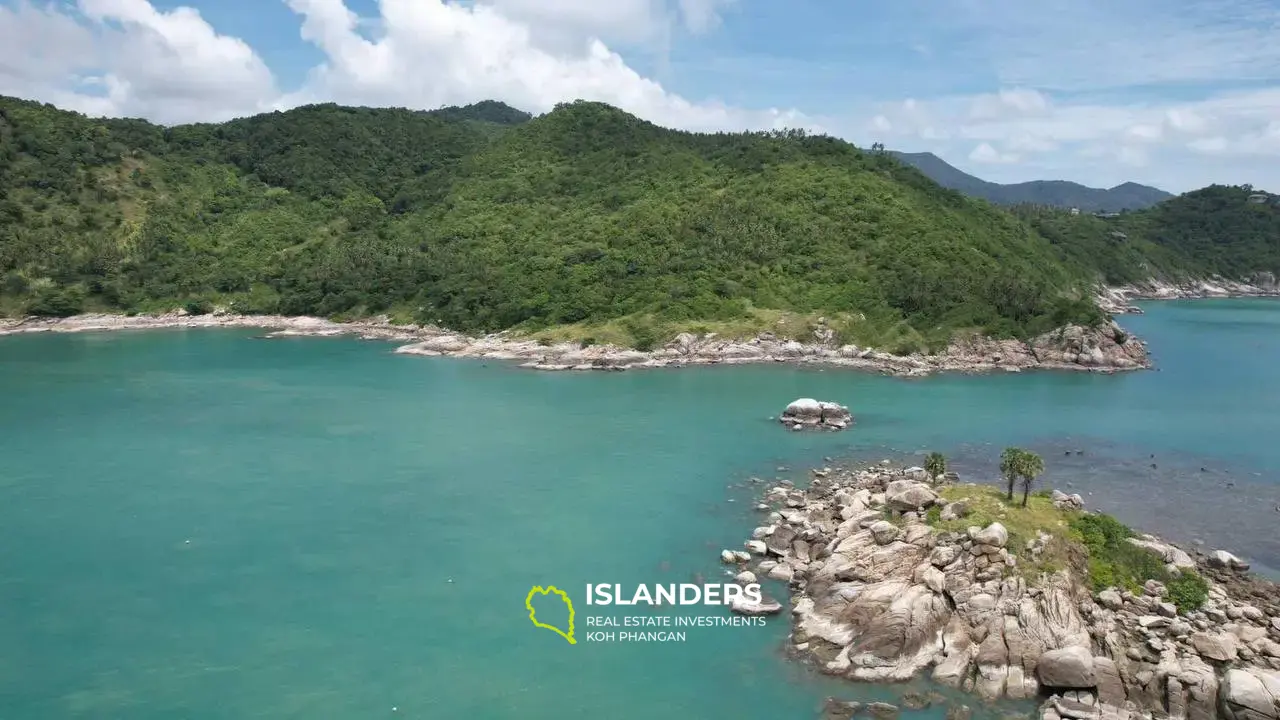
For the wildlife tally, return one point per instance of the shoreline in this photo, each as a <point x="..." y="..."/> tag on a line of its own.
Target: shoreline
<point x="1106" y="349"/>
<point x="1117" y="299"/>
<point x="881" y="591"/>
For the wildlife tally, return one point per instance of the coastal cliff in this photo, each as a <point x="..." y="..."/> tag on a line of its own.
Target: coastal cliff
<point x="896" y="575"/>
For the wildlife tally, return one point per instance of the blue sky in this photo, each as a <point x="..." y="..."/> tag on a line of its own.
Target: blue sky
<point x="1173" y="93"/>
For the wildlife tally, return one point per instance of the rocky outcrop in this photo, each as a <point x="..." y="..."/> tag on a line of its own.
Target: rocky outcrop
<point x="1116" y="300"/>
<point x="807" y="413"/>
<point x="879" y="595"/>
<point x="969" y="354"/>
<point x="1105" y="348"/>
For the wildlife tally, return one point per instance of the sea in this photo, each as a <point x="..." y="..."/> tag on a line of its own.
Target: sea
<point x="205" y="524"/>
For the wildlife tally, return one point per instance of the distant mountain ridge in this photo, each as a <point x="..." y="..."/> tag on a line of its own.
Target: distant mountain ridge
<point x="1055" y="193"/>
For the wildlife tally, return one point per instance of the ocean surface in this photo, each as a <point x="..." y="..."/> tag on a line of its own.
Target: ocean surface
<point x="200" y="524"/>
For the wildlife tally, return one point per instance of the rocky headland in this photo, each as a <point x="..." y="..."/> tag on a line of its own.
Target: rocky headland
<point x="896" y="575"/>
<point x="1106" y="348"/>
<point x="1118" y="300"/>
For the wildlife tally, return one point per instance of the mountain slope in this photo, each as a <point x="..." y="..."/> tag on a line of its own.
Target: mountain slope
<point x="583" y="215"/>
<point x="1215" y="231"/>
<point x="1055" y="193"/>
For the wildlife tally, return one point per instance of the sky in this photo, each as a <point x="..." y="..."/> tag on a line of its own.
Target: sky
<point x="1172" y="93"/>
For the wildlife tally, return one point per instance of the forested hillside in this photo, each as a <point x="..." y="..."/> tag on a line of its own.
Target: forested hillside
<point x="1230" y="231"/>
<point x="483" y="218"/>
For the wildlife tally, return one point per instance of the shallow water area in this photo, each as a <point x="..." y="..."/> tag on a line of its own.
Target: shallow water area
<point x="198" y="524"/>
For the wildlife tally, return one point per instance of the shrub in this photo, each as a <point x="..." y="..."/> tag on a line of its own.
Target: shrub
<point x="199" y="307"/>
<point x="52" y="301"/>
<point x="1188" y="590"/>
<point x="933" y="515"/>
<point x="935" y="464"/>
<point x="1113" y="560"/>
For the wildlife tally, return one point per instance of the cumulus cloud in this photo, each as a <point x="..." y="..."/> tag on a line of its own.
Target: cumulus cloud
<point x="1056" y="70"/>
<point x="986" y="154"/>
<point x="124" y="57"/>
<point x="434" y="53"/>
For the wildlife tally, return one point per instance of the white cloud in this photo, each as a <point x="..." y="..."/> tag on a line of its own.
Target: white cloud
<point x="986" y="154"/>
<point x="1047" y="119"/>
<point x="562" y="23"/>
<point x="127" y="58"/>
<point x="435" y="53"/>
<point x="702" y="15"/>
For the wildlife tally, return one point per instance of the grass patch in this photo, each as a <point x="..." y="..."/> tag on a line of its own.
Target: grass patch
<point x="989" y="504"/>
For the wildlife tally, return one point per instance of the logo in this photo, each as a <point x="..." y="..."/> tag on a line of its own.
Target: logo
<point x="528" y="604"/>
<point x="746" y="600"/>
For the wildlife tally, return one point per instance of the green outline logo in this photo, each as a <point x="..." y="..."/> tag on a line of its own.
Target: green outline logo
<point x="528" y="604"/>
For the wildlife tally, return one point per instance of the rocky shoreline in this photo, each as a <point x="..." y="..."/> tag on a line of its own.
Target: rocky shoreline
<point x="885" y="587"/>
<point x="1105" y="349"/>
<point x="1118" y="300"/>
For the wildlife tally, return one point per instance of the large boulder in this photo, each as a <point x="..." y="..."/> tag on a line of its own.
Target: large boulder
<point x="994" y="534"/>
<point x="1220" y="646"/>
<point x="1250" y="694"/>
<point x="1069" y="667"/>
<point x="909" y="496"/>
<point x="1227" y="561"/>
<point x="810" y="413"/>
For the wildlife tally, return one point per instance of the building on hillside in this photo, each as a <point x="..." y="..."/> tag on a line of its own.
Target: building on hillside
<point x="1075" y="211"/>
<point x="1259" y="198"/>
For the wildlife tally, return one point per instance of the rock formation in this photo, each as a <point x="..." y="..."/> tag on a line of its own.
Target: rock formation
<point x="807" y="413"/>
<point x="880" y="595"/>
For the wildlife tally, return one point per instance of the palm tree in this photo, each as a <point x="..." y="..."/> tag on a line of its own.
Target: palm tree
<point x="1032" y="466"/>
<point x="1009" y="466"/>
<point x="935" y="464"/>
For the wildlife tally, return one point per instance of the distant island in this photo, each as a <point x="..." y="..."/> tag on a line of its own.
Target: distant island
<point x="1053" y="193"/>
<point x="584" y="225"/>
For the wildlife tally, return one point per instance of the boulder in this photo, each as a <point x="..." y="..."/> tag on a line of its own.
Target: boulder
<point x="1110" y="599"/>
<point x="955" y="510"/>
<point x="1220" y="647"/>
<point x="1250" y="694"/>
<point x="884" y="532"/>
<point x="909" y="496"/>
<point x="1069" y="667"/>
<point x="994" y="535"/>
<point x="810" y="413"/>
<point x="756" y="547"/>
<point x="745" y="606"/>
<point x="1225" y="560"/>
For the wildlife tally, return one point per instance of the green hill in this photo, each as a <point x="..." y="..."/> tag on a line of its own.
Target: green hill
<point x="484" y="219"/>
<point x="1227" y="231"/>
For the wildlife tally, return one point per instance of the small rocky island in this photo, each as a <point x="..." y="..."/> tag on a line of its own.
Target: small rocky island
<point x="895" y="574"/>
<point x="810" y="414"/>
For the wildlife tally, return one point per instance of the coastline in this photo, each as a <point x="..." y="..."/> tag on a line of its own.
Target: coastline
<point x="1117" y="300"/>
<point x="1106" y="349"/>
<point x="888" y="585"/>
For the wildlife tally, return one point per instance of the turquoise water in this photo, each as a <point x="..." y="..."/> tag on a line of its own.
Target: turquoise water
<point x="197" y="524"/>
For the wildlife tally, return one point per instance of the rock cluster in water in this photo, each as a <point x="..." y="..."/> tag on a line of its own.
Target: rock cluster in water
<point x="879" y="595"/>
<point x="807" y="413"/>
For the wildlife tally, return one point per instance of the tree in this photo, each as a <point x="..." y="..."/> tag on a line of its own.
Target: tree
<point x="1031" y="467"/>
<point x="1009" y="465"/>
<point x="935" y="464"/>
